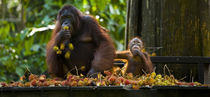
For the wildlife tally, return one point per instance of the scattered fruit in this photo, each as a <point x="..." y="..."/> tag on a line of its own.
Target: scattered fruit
<point x="110" y="78"/>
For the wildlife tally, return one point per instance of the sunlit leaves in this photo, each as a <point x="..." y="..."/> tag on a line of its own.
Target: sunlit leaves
<point x="31" y="50"/>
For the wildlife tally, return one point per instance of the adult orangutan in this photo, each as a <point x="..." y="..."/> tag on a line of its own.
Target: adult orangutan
<point x="78" y="41"/>
<point x="138" y="61"/>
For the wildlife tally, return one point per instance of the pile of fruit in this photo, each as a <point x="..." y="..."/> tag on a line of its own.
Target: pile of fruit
<point x="107" y="79"/>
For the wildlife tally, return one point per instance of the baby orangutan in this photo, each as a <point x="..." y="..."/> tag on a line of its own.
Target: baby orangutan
<point x="138" y="61"/>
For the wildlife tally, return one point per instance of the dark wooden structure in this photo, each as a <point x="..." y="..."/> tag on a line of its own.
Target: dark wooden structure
<point x="173" y="60"/>
<point x="111" y="91"/>
<point x="172" y="28"/>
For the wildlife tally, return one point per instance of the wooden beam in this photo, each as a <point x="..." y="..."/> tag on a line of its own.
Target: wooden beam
<point x="179" y="60"/>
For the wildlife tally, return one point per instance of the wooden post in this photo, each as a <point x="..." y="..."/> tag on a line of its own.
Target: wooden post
<point x="133" y="20"/>
<point x="204" y="11"/>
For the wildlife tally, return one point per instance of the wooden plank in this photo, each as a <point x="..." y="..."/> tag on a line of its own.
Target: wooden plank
<point x="115" y="91"/>
<point x="177" y="60"/>
<point x="180" y="59"/>
<point x="150" y="22"/>
<point x="127" y="24"/>
<point x="133" y="19"/>
<point x="204" y="7"/>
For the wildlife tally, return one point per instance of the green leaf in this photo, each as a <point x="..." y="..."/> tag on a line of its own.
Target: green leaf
<point x="35" y="47"/>
<point x="28" y="45"/>
<point x="19" y="71"/>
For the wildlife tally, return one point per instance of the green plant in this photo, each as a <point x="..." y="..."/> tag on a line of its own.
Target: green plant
<point x="23" y="50"/>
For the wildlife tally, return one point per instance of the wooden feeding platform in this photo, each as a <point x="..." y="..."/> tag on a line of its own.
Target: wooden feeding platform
<point x="106" y="91"/>
<point x="123" y="91"/>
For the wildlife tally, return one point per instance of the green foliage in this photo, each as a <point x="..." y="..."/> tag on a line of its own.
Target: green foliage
<point x="21" y="50"/>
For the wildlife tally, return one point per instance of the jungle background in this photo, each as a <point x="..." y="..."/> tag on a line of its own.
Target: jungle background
<point x="26" y="26"/>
